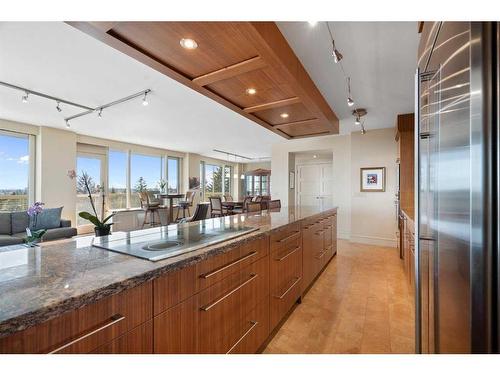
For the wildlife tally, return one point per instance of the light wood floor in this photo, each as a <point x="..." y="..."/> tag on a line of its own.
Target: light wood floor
<point x="361" y="303"/>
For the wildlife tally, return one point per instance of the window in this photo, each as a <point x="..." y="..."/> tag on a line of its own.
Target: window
<point x="145" y="172"/>
<point x="91" y="165"/>
<point x="228" y="172"/>
<point x="173" y="175"/>
<point x="216" y="180"/>
<point x="16" y="171"/>
<point x="117" y="179"/>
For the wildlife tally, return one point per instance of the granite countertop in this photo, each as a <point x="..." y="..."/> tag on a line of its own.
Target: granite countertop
<point x="37" y="284"/>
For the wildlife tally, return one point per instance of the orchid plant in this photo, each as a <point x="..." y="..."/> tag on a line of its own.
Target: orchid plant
<point x="102" y="227"/>
<point x="34" y="236"/>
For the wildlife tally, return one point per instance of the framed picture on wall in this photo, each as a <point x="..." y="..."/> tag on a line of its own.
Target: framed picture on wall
<point x="372" y="179"/>
<point x="291" y="180"/>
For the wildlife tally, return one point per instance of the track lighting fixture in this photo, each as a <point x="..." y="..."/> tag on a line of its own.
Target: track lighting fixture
<point x="145" y="99"/>
<point x="67" y="124"/>
<point x="337" y="56"/>
<point x="358" y="121"/>
<point x="58" y="107"/>
<point x="25" y="97"/>
<point x="99" y="114"/>
<point x="363" y="131"/>
<point x="350" y="102"/>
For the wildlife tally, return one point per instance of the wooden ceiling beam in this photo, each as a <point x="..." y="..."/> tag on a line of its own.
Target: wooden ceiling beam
<point x="249" y="65"/>
<point x="276" y="104"/>
<point x="297" y="123"/>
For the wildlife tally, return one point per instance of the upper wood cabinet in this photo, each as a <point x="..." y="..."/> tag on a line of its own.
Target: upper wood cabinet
<point x="406" y="145"/>
<point x="230" y="58"/>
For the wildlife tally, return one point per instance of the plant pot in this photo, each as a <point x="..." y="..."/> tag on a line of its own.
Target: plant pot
<point x="104" y="231"/>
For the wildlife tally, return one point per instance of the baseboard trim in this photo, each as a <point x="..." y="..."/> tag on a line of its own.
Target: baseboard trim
<point x="378" y="241"/>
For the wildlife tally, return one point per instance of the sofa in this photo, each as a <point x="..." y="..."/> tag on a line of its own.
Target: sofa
<point x="13" y="228"/>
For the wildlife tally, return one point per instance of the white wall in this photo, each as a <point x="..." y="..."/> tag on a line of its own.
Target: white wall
<point x="362" y="217"/>
<point x="55" y="156"/>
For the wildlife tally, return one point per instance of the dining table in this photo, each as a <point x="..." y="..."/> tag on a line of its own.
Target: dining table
<point x="231" y="205"/>
<point x="170" y="198"/>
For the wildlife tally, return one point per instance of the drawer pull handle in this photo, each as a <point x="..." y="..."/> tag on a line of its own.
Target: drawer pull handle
<point x="253" y="324"/>
<point x="297" y="279"/>
<point x="287" y="254"/>
<point x="321" y="255"/>
<point x="219" y="300"/>
<point x="289" y="236"/>
<point x="225" y="267"/>
<point x="113" y="320"/>
<point x="319" y="232"/>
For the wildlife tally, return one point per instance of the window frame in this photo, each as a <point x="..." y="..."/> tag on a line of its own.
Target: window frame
<point x="31" y="187"/>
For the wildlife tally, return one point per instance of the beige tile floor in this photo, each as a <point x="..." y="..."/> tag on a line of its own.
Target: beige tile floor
<point x="361" y="303"/>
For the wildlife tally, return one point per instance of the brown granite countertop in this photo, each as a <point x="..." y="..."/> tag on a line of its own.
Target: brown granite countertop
<point x="37" y="284"/>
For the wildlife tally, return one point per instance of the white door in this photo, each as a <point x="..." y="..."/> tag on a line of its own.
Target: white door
<point x="314" y="184"/>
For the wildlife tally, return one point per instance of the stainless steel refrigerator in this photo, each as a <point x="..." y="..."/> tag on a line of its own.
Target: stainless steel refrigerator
<point x="457" y="189"/>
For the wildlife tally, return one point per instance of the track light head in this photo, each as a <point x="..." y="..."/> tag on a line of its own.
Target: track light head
<point x="337" y="56"/>
<point x="363" y="131"/>
<point x="25" y="97"/>
<point x="357" y="121"/>
<point x="67" y="124"/>
<point x="145" y="99"/>
<point x="350" y="102"/>
<point x="58" y="107"/>
<point x="99" y="114"/>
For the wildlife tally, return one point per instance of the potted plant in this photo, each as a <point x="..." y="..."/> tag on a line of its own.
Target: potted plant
<point x="162" y="184"/>
<point x="102" y="227"/>
<point x="33" y="236"/>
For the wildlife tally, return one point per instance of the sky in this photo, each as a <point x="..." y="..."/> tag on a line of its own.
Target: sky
<point x="14" y="162"/>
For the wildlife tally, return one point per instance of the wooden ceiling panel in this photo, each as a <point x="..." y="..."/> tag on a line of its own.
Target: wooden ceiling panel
<point x="230" y="58"/>
<point x="271" y="86"/>
<point x="220" y="44"/>
<point x="309" y="129"/>
<point x="296" y="112"/>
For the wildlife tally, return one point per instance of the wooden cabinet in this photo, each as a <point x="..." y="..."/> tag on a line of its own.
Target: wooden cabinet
<point x="285" y="278"/>
<point x="319" y="245"/>
<point x="228" y="303"/>
<point x="85" y="329"/>
<point x="231" y="315"/>
<point x="137" y="341"/>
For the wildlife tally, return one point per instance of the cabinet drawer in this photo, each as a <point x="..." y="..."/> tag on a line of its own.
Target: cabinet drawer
<point x="285" y="283"/>
<point x="178" y="286"/>
<point x="254" y="330"/>
<point x="85" y="329"/>
<point x="137" y="341"/>
<point x="281" y="237"/>
<point x="223" y="307"/>
<point x="217" y="268"/>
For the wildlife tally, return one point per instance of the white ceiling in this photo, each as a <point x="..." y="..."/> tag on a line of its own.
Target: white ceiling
<point x="56" y="59"/>
<point x="380" y="57"/>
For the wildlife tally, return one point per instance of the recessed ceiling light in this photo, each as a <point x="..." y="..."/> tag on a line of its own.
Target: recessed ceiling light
<point x="315" y="156"/>
<point x="251" y="91"/>
<point x="312" y="23"/>
<point x="284" y="115"/>
<point x="188" y="43"/>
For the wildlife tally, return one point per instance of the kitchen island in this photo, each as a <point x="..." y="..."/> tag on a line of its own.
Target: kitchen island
<point x="72" y="297"/>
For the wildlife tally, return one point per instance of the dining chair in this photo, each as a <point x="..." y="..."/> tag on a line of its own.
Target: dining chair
<point x="257" y="198"/>
<point x="149" y="207"/>
<point x="264" y="202"/>
<point x="185" y="204"/>
<point x="200" y="213"/>
<point x="228" y="197"/>
<point x="216" y="209"/>
<point x="254" y="207"/>
<point x="272" y="204"/>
